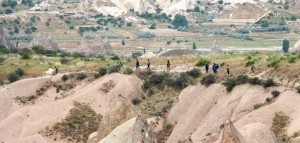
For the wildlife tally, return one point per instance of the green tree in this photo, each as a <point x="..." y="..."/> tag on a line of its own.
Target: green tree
<point x="293" y="18"/>
<point x="194" y="46"/>
<point x="8" y="11"/>
<point x="153" y="26"/>
<point x="123" y="42"/>
<point x="285" y="45"/>
<point x="196" y="9"/>
<point x="180" y="20"/>
<point x="25" y="53"/>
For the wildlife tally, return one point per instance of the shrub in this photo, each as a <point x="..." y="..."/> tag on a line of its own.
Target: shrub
<point x="268" y="83"/>
<point x="242" y="79"/>
<point x="3" y="49"/>
<point x="273" y="61"/>
<point x="64" y="77"/>
<point x="179" y="83"/>
<point x="257" y="106"/>
<point x="156" y="79"/>
<point x="136" y="101"/>
<point x="180" y="20"/>
<point x="114" y="69"/>
<point x="20" y="72"/>
<point x="275" y="93"/>
<point x="12" y="77"/>
<point x="230" y="84"/>
<point x="25" y="53"/>
<point x="254" y="81"/>
<point x="128" y="71"/>
<point x="102" y="71"/>
<point x="80" y="76"/>
<point x="64" y="60"/>
<point x="146" y="85"/>
<point x="115" y="58"/>
<point x="193" y="73"/>
<point x="280" y="121"/>
<point x="202" y="62"/>
<point x="208" y="79"/>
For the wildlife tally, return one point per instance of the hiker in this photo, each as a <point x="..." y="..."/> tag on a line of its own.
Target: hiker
<point x="228" y="69"/>
<point x="137" y="65"/>
<point x="168" y="66"/>
<point x="206" y="67"/>
<point x="214" y="68"/>
<point x="56" y="70"/>
<point x="252" y="69"/>
<point x="217" y="68"/>
<point x="148" y="65"/>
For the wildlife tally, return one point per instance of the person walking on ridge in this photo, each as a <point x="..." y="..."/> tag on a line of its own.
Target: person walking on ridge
<point x="148" y="65"/>
<point x="56" y="70"/>
<point x="214" y="68"/>
<point x="228" y="69"/>
<point x="137" y="65"/>
<point x="206" y="67"/>
<point x="168" y="66"/>
<point x="252" y="69"/>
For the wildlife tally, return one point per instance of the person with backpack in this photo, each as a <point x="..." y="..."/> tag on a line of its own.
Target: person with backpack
<point x="148" y="65"/>
<point x="56" y="70"/>
<point x="168" y="66"/>
<point x="137" y="65"/>
<point x="214" y="68"/>
<point x="228" y="69"/>
<point x="206" y="67"/>
<point x="252" y="69"/>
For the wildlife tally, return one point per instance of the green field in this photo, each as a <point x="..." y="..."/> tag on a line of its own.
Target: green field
<point x="66" y="37"/>
<point x="240" y="43"/>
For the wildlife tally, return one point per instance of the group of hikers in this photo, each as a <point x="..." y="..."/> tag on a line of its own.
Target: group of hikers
<point x="215" y="67"/>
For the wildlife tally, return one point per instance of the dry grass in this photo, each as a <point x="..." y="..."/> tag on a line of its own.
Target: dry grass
<point x="77" y="126"/>
<point x="280" y="122"/>
<point x="106" y="87"/>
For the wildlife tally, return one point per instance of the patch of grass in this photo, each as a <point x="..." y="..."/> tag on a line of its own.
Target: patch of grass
<point x="163" y="135"/>
<point x="279" y="124"/>
<point x="108" y="86"/>
<point x="257" y="106"/>
<point x="78" y="125"/>
<point x="136" y="101"/>
<point x="201" y="62"/>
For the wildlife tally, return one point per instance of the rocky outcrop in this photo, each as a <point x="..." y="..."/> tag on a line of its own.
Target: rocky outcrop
<point x="135" y="130"/>
<point x="4" y="41"/>
<point x="297" y="47"/>
<point x="216" y="49"/>
<point x="94" y="47"/>
<point x="120" y="111"/>
<point x="230" y="134"/>
<point x="44" y="40"/>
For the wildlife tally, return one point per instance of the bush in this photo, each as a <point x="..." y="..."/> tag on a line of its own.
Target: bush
<point x="12" y="77"/>
<point x="193" y="73"/>
<point x="128" y="71"/>
<point x="254" y="81"/>
<point x="64" y="60"/>
<point x="25" y="53"/>
<point x="20" y="72"/>
<point x="102" y="71"/>
<point x="230" y="84"/>
<point x="208" y="79"/>
<point x="136" y="101"/>
<point x="202" y="62"/>
<point x="80" y="76"/>
<point x="64" y="77"/>
<point x="146" y="85"/>
<point x="156" y="79"/>
<point x="114" y="69"/>
<point x="242" y="79"/>
<point x="275" y="93"/>
<point x="179" y="83"/>
<point x="115" y="58"/>
<point x="180" y="20"/>
<point x="268" y="83"/>
<point x="257" y="106"/>
<point x="3" y="49"/>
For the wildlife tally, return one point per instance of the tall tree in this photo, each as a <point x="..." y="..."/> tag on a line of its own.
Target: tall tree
<point x="194" y="46"/>
<point x="285" y="45"/>
<point x="180" y="20"/>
